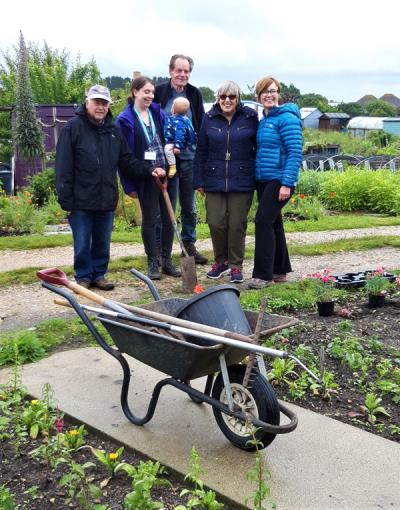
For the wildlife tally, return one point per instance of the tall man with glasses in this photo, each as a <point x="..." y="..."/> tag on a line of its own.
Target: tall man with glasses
<point x="180" y="67"/>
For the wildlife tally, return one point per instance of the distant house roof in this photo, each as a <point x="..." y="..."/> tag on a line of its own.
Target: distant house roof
<point x="366" y="123"/>
<point x="366" y="99"/>
<point x="392" y="99"/>
<point x="305" y="112"/>
<point x="335" y="115"/>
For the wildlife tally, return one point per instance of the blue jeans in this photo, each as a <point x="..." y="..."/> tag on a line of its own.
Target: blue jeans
<point x="91" y="231"/>
<point x="187" y="200"/>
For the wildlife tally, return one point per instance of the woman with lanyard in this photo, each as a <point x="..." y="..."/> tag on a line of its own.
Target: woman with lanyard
<point x="142" y="125"/>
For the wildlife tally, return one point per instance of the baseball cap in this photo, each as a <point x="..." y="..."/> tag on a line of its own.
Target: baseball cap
<point x="99" y="92"/>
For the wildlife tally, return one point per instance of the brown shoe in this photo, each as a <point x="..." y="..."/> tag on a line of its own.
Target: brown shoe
<point x="84" y="283"/>
<point x="103" y="284"/>
<point x="280" y="278"/>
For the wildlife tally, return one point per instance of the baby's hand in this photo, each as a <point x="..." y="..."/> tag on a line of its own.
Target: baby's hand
<point x="176" y="151"/>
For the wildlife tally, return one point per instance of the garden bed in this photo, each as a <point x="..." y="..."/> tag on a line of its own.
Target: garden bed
<point x="361" y="351"/>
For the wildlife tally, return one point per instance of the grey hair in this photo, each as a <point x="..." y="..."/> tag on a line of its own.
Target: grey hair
<point x="228" y="87"/>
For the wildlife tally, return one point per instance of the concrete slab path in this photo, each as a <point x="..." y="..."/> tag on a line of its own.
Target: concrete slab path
<point x="322" y="465"/>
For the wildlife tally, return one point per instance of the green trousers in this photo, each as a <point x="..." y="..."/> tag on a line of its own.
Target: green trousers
<point x="227" y="219"/>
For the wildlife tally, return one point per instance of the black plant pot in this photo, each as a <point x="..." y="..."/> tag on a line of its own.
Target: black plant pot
<point x="325" y="308"/>
<point x="376" y="300"/>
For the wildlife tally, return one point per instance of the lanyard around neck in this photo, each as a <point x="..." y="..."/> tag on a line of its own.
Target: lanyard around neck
<point x="144" y="127"/>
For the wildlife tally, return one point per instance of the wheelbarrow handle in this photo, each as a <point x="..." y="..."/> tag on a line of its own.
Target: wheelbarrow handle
<point x="55" y="276"/>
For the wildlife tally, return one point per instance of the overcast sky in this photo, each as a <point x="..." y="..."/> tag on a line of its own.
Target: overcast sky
<point x="341" y="49"/>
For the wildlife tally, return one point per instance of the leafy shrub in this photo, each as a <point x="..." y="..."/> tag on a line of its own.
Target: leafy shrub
<point x="26" y="344"/>
<point x="305" y="208"/>
<point x="42" y="186"/>
<point x="310" y="182"/>
<point x="356" y="189"/>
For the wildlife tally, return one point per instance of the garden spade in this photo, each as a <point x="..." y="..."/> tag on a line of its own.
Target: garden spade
<point x="188" y="265"/>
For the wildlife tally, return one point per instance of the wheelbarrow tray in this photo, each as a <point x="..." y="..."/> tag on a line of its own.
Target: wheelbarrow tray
<point x="182" y="359"/>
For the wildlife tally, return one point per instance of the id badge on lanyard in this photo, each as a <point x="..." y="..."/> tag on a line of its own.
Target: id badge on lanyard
<point x="150" y="155"/>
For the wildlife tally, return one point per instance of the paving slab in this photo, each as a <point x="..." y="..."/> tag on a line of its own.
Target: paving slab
<point x="323" y="465"/>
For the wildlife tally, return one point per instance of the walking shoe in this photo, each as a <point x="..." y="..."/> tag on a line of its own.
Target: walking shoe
<point x="192" y="252"/>
<point x="169" y="269"/>
<point x="153" y="271"/>
<point x="236" y="275"/>
<point x="217" y="270"/>
<point x="280" y="278"/>
<point x="257" y="283"/>
<point x="83" y="283"/>
<point x="102" y="284"/>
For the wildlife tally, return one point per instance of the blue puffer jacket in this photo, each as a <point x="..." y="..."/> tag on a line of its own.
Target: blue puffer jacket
<point x="225" y="154"/>
<point x="279" y="145"/>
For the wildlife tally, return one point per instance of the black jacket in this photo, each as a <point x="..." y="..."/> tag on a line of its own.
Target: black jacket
<point x="225" y="154"/>
<point x="163" y="93"/>
<point x="87" y="159"/>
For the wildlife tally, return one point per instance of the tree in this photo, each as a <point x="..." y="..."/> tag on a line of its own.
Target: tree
<point x="27" y="132"/>
<point x="208" y="94"/>
<point x="380" y="108"/>
<point x="251" y="94"/>
<point x="312" y="100"/>
<point x="353" y="109"/>
<point x="116" y="82"/>
<point x="289" y="94"/>
<point x="160" y="79"/>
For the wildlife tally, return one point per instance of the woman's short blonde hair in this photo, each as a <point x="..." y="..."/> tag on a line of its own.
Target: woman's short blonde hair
<point x="228" y="87"/>
<point x="264" y="83"/>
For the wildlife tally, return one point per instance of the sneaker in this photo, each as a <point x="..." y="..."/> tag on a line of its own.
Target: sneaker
<point x="153" y="271"/>
<point x="192" y="252"/>
<point x="236" y="275"/>
<point x="257" y="283"/>
<point x="217" y="270"/>
<point x="280" y="278"/>
<point x="102" y="284"/>
<point x="83" y="283"/>
<point x="169" y="269"/>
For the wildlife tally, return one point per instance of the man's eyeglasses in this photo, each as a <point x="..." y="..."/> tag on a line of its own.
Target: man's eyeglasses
<point x="271" y="91"/>
<point x="231" y="97"/>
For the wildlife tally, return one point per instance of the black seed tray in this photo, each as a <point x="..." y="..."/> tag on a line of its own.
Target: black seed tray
<point x="357" y="279"/>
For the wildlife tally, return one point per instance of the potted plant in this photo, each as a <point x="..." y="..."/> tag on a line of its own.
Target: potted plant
<point x="375" y="287"/>
<point x="324" y="289"/>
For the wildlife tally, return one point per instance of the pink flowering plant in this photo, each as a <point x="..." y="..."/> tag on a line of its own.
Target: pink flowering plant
<point x="324" y="285"/>
<point x="376" y="283"/>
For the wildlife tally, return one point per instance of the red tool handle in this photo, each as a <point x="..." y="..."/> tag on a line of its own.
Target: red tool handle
<point x="162" y="182"/>
<point x="53" y="275"/>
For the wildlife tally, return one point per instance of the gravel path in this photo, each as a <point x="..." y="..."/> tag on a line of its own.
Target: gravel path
<point x="13" y="259"/>
<point x="25" y="305"/>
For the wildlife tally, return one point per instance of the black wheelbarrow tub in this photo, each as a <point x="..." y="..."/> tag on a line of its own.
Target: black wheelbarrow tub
<point x="181" y="359"/>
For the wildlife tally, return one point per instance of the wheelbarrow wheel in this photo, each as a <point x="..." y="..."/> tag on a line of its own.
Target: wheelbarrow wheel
<point x="258" y="399"/>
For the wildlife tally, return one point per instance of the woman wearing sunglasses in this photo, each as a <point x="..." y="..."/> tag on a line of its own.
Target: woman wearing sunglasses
<point x="279" y="155"/>
<point x="224" y="171"/>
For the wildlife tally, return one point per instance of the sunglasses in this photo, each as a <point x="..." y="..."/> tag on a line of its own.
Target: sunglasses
<point x="231" y="97"/>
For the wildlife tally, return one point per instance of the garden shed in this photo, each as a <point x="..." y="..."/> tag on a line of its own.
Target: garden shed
<point x="310" y="117"/>
<point x="361" y="126"/>
<point x="333" y="121"/>
<point x="52" y="118"/>
<point x="392" y="125"/>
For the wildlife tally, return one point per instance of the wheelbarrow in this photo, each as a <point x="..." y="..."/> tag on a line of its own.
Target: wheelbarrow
<point x="243" y="411"/>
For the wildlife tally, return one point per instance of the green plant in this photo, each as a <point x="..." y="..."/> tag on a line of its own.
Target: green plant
<point x="281" y="370"/>
<point x="79" y="486"/>
<point x="305" y="207"/>
<point x="29" y="348"/>
<point x="198" y="496"/>
<point x="324" y="285"/>
<point x="144" y="478"/>
<point x="372" y="407"/>
<point x="42" y="186"/>
<point x="260" y="476"/>
<point x="7" y="500"/>
<point x="74" y="438"/>
<point x="35" y="418"/>
<point x="109" y="460"/>
<point x="375" y="282"/>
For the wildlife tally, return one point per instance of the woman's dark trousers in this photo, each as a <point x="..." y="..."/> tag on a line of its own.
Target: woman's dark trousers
<point x="271" y="255"/>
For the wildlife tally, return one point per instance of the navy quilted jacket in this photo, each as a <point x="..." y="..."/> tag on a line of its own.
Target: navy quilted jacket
<point x="279" y="145"/>
<point x="225" y="154"/>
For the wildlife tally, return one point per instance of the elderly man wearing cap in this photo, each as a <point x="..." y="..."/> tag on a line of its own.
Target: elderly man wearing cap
<point x="89" y="152"/>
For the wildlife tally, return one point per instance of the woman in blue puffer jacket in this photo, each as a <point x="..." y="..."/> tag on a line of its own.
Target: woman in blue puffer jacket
<point x="224" y="169"/>
<point x="278" y="160"/>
